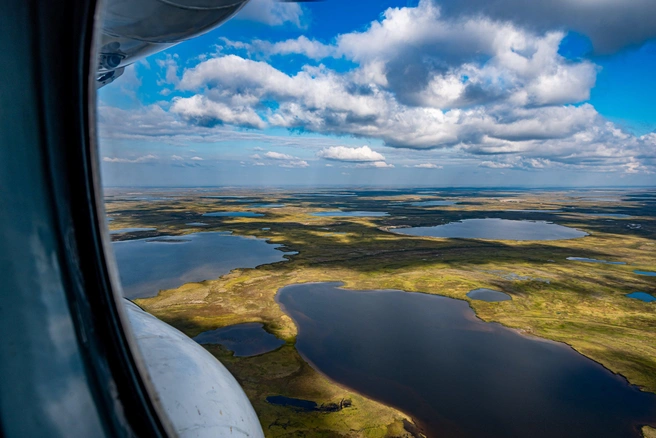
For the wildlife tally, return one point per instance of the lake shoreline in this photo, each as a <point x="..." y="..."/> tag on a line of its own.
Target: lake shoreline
<point x="422" y="428"/>
<point x="520" y="331"/>
<point x="574" y="309"/>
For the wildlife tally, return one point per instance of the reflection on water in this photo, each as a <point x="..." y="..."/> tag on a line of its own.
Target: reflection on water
<point x="148" y="265"/>
<point x="616" y="215"/>
<point x="647" y="273"/>
<point x="488" y="295"/>
<point x="230" y="197"/>
<point x="233" y="214"/>
<point x="244" y="340"/>
<point x="327" y="195"/>
<point x="642" y="296"/>
<point x="586" y="260"/>
<point x="535" y="211"/>
<point x="267" y="205"/>
<point x="601" y="199"/>
<point x="339" y="213"/>
<point x="432" y="203"/>
<point x="130" y="230"/>
<point x="496" y="229"/>
<point x="456" y="375"/>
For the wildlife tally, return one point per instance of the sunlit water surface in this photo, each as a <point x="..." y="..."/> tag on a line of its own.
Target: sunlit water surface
<point x="456" y="375"/>
<point x="149" y="265"/>
<point x="496" y="229"/>
<point x="249" y="339"/>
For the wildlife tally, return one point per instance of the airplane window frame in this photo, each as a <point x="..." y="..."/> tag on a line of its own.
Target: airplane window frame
<point x="51" y="139"/>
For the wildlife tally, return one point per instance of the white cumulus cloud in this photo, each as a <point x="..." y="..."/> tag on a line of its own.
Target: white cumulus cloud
<point x="494" y="165"/>
<point x="203" y="111"/>
<point x="375" y="164"/>
<point x="285" y="160"/>
<point x="142" y="159"/>
<point x="278" y="156"/>
<point x="427" y="166"/>
<point x="610" y="24"/>
<point x="487" y="87"/>
<point x="272" y="12"/>
<point x="302" y="45"/>
<point x="295" y="163"/>
<point x="344" y="153"/>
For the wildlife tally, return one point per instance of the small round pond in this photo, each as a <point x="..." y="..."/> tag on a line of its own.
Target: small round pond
<point x="488" y="295"/>
<point x="249" y="339"/>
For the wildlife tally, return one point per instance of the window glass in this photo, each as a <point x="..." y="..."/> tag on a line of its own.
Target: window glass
<point x="424" y="218"/>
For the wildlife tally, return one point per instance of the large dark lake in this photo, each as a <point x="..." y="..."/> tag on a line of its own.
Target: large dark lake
<point x="456" y="375"/>
<point x="148" y="265"/>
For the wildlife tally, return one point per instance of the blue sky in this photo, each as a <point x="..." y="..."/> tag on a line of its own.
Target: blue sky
<point x="426" y="93"/>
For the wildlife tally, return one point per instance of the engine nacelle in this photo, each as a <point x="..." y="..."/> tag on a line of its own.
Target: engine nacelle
<point x="134" y="29"/>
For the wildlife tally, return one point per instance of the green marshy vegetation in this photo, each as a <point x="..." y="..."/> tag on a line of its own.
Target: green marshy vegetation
<point x="581" y="304"/>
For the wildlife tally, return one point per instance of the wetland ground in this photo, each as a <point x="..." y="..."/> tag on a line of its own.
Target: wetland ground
<point x="581" y="304"/>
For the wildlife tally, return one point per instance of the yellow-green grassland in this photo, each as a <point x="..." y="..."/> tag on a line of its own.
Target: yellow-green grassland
<point x="581" y="304"/>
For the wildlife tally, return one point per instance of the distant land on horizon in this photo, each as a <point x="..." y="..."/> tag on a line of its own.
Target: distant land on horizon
<point x="376" y="186"/>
